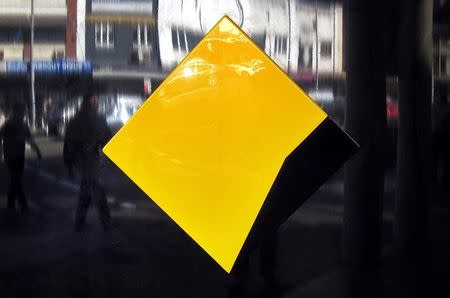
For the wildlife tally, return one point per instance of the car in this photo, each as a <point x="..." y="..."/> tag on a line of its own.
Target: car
<point x="117" y="110"/>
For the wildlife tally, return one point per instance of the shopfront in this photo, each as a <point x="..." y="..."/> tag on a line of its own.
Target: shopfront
<point x="55" y="83"/>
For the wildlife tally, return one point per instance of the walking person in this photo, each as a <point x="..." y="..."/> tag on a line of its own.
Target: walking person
<point x="441" y="146"/>
<point x="13" y="136"/>
<point x="86" y="134"/>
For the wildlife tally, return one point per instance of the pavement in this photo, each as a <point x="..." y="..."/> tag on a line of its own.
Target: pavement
<point x="148" y="255"/>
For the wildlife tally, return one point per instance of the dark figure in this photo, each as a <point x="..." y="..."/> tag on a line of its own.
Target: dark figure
<point x="267" y="265"/>
<point x="86" y="134"/>
<point x="441" y="146"/>
<point x="13" y="135"/>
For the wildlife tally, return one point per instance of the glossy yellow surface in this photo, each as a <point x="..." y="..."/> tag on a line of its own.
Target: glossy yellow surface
<point x="210" y="141"/>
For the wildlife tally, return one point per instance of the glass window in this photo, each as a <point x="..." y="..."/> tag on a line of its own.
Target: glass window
<point x="325" y="49"/>
<point x="280" y="44"/>
<point x="141" y="36"/>
<point x="193" y="38"/>
<point x="305" y="57"/>
<point x="104" y="35"/>
<point x="185" y="40"/>
<point x="260" y="40"/>
<point x="178" y="40"/>
<point x="44" y="35"/>
<point x="11" y="35"/>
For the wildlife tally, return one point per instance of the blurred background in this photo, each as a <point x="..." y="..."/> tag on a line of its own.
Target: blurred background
<point x="128" y="47"/>
<point x="51" y="50"/>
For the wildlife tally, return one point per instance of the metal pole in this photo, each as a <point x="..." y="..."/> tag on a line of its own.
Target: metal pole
<point x="333" y="49"/>
<point x="32" y="93"/>
<point x="317" y="48"/>
<point x="414" y="185"/>
<point x="439" y="59"/>
<point x="288" y="55"/>
<point x="365" y="120"/>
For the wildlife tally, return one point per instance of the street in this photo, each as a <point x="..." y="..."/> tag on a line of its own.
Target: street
<point x="146" y="254"/>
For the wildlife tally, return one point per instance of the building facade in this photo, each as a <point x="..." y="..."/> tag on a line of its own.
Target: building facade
<point x="121" y="42"/>
<point x="291" y="32"/>
<point x="441" y="67"/>
<point x="441" y="50"/>
<point x="57" y="49"/>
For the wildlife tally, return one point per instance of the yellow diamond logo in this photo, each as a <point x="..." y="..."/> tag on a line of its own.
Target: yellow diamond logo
<point x="211" y="144"/>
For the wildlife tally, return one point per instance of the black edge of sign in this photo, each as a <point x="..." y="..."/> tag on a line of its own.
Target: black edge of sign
<point x="310" y="165"/>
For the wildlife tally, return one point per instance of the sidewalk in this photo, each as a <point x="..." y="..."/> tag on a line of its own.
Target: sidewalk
<point x="148" y="255"/>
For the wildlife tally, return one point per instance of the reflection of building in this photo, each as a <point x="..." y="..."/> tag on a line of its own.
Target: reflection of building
<point x="50" y="31"/>
<point x="323" y="50"/>
<point x="120" y="41"/>
<point x="442" y="58"/>
<point x="441" y="50"/>
<point x="286" y="30"/>
<point x="55" y="40"/>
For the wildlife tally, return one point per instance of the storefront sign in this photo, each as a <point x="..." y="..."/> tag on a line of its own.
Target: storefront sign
<point x="122" y="6"/>
<point x="61" y="67"/>
<point x="243" y="143"/>
<point x="16" y="67"/>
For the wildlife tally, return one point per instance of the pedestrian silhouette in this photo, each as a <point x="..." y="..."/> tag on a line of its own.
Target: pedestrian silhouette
<point x="441" y="145"/>
<point x="86" y="134"/>
<point x="13" y="136"/>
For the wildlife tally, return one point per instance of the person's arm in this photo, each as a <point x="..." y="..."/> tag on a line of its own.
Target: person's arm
<point x="69" y="151"/>
<point x="106" y="133"/>
<point x="33" y="144"/>
<point x="2" y="133"/>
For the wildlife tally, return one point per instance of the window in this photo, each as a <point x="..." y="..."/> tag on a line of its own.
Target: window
<point x="178" y="40"/>
<point x="142" y="38"/>
<point x="104" y="35"/>
<point x="325" y="49"/>
<point x="193" y="38"/>
<point x="48" y="35"/>
<point x="260" y="39"/>
<point x="280" y="45"/>
<point x="185" y="40"/>
<point x="305" y="56"/>
<point x="11" y="35"/>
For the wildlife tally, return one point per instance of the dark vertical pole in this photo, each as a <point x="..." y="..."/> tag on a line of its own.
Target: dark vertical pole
<point x="317" y="46"/>
<point x="366" y="122"/>
<point x="414" y="130"/>
<point x="32" y="77"/>
<point x="155" y="45"/>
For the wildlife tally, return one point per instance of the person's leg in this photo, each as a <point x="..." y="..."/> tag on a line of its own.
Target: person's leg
<point x="20" y="195"/>
<point x="11" y="194"/>
<point x="102" y="206"/>
<point x="12" y="189"/>
<point x="83" y="204"/>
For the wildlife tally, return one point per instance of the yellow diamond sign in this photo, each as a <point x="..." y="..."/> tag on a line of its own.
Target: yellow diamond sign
<point x="210" y="143"/>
